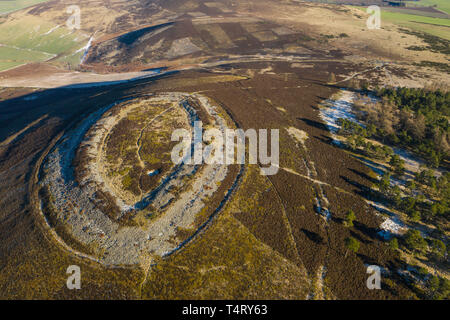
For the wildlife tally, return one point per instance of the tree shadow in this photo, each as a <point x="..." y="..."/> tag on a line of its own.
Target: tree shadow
<point x="367" y="231"/>
<point x="315" y="107"/>
<point x="367" y="192"/>
<point x="313" y="123"/>
<point x="364" y="175"/>
<point x="359" y="238"/>
<point x="362" y="191"/>
<point x="326" y="139"/>
<point x="378" y="168"/>
<point x="337" y="220"/>
<point x="367" y="260"/>
<point x="315" y="237"/>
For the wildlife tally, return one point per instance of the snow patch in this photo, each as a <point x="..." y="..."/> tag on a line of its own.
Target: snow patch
<point x="392" y="225"/>
<point x="86" y="49"/>
<point x="339" y="108"/>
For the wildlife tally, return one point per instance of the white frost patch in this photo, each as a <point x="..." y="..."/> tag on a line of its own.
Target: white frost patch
<point x="299" y="135"/>
<point x="413" y="163"/>
<point x="85" y="49"/>
<point x="408" y="158"/>
<point x="391" y="226"/>
<point x="340" y="108"/>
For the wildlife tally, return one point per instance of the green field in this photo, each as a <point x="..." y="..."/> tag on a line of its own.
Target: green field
<point x="443" y="5"/>
<point x="434" y="26"/>
<point x="5" y="65"/>
<point x="11" y="57"/>
<point x="22" y="55"/>
<point x="14" y="5"/>
<point x="39" y="35"/>
<point x="33" y="39"/>
<point x="402" y="17"/>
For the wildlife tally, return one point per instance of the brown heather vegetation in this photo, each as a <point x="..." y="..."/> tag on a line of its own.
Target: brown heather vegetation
<point x="26" y="248"/>
<point x="227" y="262"/>
<point x="154" y="148"/>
